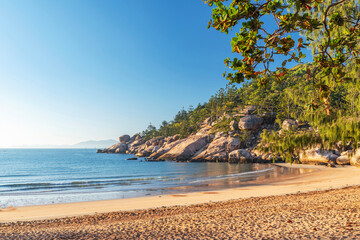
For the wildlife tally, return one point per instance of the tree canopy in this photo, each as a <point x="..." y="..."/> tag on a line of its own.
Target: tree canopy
<point x="322" y="95"/>
<point x="330" y="28"/>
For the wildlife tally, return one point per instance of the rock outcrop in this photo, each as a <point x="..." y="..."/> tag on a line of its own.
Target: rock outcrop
<point x="240" y="156"/>
<point x="218" y="149"/>
<point x="344" y="158"/>
<point x="124" y="138"/>
<point x="318" y="157"/>
<point x="250" y="122"/>
<point x="355" y="159"/>
<point x="215" y="142"/>
<point x="186" y="149"/>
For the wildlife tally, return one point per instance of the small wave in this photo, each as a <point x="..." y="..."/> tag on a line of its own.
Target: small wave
<point x="80" y="184"/>
<point x="15" y="175"/>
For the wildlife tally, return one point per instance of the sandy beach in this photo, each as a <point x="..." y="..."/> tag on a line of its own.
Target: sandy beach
<point x="322" y="204"/>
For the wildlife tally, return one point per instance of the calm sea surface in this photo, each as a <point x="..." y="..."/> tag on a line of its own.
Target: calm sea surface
<point x="45" y="176"/>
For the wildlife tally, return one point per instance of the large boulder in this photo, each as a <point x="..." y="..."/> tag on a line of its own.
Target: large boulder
<point x="143" y="153"/>
<point x="217" y="157"/>
<point x="203" y="131"/>
<point x="124" y="138"/>
<point x="215" y="147"/>
<point x="355" y="159"/>
<point x="113" y="147"/>
<point x="289" y="124"/>
<point x="240" y="156"/>
<point x="218" y="149"/>
<point x="137" y="142"/>
<point x="121" y="148"/>
<point x="250" y="122"/>
<point x="133" y="138"/>
<point x="318" y="156"/>
<point x="165" y="148"/>
<point x="155" y="141"/>
<point x="344" y="159"/>
<point x="186" y="149"/>
<point x="116" y="148"/>
<point x="232" y="144"/>
<point x="153" y="148"/>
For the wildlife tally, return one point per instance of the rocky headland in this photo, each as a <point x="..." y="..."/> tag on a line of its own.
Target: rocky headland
<point x="239" y="145"/>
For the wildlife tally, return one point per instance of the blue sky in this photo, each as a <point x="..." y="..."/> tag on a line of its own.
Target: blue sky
<point x="85" y="69"/>
<point x="88" y="69"/>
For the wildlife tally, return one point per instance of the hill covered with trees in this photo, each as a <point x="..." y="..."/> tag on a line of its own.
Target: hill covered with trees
<point x="293" y="98"/>
<point x="280" y="121"/>
<point x="308" y="112"/>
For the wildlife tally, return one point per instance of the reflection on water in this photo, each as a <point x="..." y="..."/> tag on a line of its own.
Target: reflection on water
<point x="43" y="176"/>
<point x="261" y="174"/>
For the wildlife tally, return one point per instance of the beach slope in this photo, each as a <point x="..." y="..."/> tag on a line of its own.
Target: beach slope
<point x="259" y="212"/>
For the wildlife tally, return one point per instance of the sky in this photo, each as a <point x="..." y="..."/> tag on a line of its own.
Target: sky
<point x="72" y="71"/>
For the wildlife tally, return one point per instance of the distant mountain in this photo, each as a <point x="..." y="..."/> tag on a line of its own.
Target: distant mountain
<point x="85" y="144"/>
<point x="95" y="144"/>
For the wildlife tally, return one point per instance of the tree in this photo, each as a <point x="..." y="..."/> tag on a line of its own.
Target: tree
<point x="259" y="45"/>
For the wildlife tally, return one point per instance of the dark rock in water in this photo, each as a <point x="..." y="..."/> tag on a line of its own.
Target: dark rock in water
<point x="155" y="160"/>
<point x="99" y="151"/>
<point x="134" y="158"/>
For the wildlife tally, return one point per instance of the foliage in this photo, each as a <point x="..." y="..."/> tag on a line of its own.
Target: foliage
<point x="335" y="24"/>
<point x="288" y="143"/>
<point x="287" y="99"/>
<point x="189" y="121"/>
<point x="221" y="126"/>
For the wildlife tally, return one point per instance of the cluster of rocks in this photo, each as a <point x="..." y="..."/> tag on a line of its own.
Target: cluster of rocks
<point x="331" y="158"/>
<point x="220" y="147"/>
<point x="200" y="146"/>
<point x="224" y="146"/>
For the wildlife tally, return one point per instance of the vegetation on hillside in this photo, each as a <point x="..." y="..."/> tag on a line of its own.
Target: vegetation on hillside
<point x="291" y="98"/>
<point x="323" y="96"/>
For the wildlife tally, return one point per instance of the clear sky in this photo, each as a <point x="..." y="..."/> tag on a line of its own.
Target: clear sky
<point x="91" y="69"/>
<point x="75" y="70"/>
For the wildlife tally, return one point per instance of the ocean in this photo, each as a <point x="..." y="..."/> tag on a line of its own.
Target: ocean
<point x="46" y="176"/>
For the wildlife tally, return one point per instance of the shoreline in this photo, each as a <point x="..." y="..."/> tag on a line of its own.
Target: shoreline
<point x="323" y="179"/>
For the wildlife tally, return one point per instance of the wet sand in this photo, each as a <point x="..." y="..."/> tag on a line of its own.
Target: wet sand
<point x="260" y="211"/>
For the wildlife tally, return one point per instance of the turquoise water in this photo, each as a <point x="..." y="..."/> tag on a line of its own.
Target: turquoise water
<point x="45" y="176"/>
